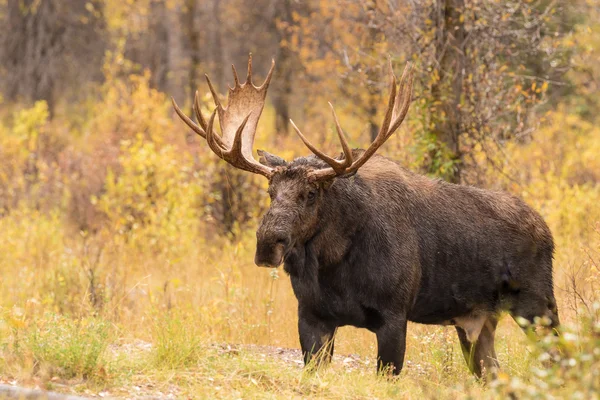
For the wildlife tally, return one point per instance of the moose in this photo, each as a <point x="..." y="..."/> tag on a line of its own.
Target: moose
<point x="371" y="244"/>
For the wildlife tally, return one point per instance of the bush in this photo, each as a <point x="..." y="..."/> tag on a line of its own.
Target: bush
<point x="571" y="365"/>
<point x="68" y="348"/>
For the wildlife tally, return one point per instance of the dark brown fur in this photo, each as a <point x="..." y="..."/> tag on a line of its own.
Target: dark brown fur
<point x="387" y="246"/>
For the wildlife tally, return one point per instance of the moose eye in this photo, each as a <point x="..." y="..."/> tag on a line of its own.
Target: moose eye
<point x="311" y="196"/>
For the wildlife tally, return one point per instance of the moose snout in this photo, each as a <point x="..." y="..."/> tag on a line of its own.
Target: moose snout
<point x="271" y="249"/>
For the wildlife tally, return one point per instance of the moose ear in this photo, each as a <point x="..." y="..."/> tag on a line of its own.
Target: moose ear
<point x="270" y="160"/>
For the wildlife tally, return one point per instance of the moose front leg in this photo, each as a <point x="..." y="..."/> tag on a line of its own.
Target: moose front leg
<point x="391" y="345"/>
<point x="316" y="339"/>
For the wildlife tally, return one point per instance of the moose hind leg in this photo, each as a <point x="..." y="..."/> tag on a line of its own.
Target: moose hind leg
<point x="527" y="305"/>
<point x="477" y="344"/>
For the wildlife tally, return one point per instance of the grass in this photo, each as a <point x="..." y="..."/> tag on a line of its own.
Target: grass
<point x="55" y="346"/>
<point x="68" y="349"/>
<point x="88" y="356"/>
<point x="177" y="342"/>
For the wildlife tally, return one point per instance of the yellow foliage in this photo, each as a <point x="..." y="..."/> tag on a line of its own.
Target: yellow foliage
<point x="154" y="197"/>
<point x="130" y="108"/>
<point x="560" y="169"/>
<point x="29" y="150"/>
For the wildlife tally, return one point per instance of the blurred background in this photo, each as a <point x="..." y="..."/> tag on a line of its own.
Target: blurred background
<point x="112" y="209"/>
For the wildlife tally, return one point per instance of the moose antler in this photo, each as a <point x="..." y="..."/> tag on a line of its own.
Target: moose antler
<point x="396" y="112"/>
<point x="238" y="121"/>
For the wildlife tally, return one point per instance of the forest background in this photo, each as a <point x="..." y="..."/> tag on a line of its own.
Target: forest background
<point x="126" y="250"/>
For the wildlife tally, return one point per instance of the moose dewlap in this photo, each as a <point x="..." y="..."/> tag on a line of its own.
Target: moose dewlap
<point x="386" y="246"/>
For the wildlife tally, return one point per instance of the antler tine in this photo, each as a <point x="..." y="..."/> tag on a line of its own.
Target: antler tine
<point x="235" y="75"/>
<point x="210" y="136"/>
<point x="236" y="147"/>
<point x="381" y="136"/>
<point x="249" y="76"/>
<point x="401" y="94"/>
<point x="347" y="151"/>
<point x="337" y="165"/>
<point x="267" y="81"/>
<point x="198" y="111"/>
<point x="312" y="148"/>
<point x="213" y="92"/>
<point x="187" y="120"/>
<point x="202" y="120"/>
<point x="403" y="98"/>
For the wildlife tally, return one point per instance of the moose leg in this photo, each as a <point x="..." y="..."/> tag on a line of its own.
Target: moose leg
<point x="391" y="345"/>
<point x="316" y="340"/>
<point x="479" y="352"/>
<point x="529" y="305"/>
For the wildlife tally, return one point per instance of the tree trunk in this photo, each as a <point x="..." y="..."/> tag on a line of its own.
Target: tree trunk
<point x="448" y="90"/>
<point x="373" y="75"/>
<point x="217" y="45"/>
<point x="158" y="47"/>
<point x="192" y="32"/>
<point x="282" y="95"/>
<point x="176" y="58"/>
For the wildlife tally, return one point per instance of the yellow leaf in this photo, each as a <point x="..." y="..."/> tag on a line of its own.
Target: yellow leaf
<point x="544" y="86"/>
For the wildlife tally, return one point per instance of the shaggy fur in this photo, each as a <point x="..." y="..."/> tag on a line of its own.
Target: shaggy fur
<point x="387" y="246"/>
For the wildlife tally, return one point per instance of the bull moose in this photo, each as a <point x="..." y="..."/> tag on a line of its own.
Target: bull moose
<point x="370" y="244"/>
